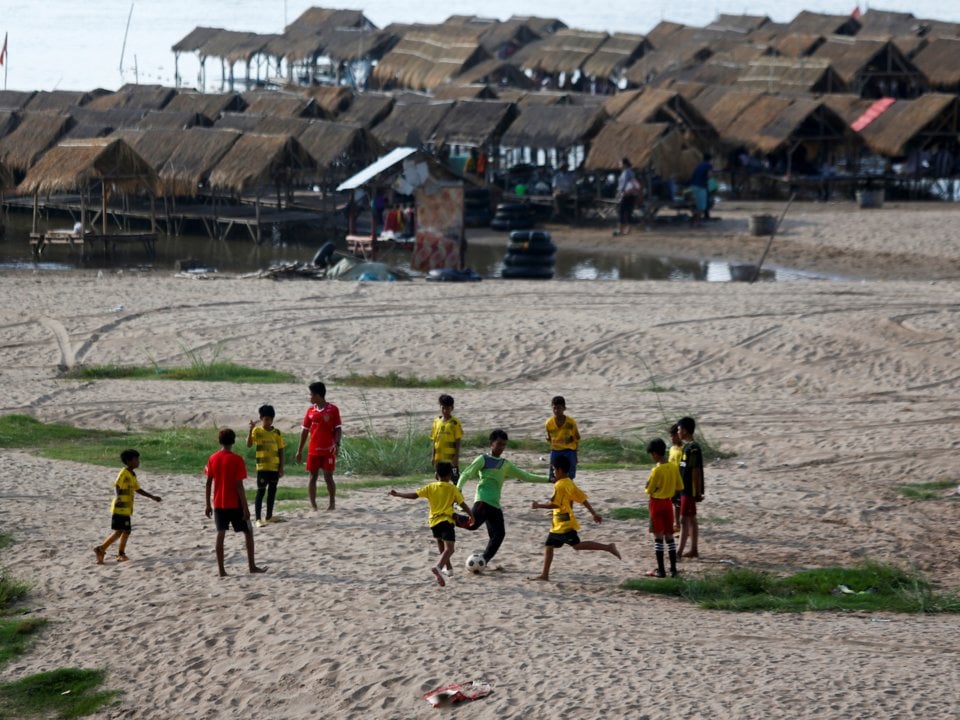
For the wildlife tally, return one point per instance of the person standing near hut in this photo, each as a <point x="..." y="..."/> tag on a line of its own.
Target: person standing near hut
<point x="628" y="189"/>
<point x="700" y="184"/>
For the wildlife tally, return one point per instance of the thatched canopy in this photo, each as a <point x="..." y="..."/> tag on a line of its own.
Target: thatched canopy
<point x="871" y="68"/>
<point x="154" y="146"/>
<point x="76" y="164"/>
<point x="457" y="91"/>
<point x="174" y="120"/>
<point x="6" y="177"/>
<point x="659" y="37"/>
<point x="256" y="163"/>
<point x="675" y="56"/>
<point x="244" y="122"/>
<point x="8" y="121"/>
<point x="722" y="106"/>
<point x="36" y="133"/>
<point x="350" y="44"/>
<point x="141" y="97"/>
<point x="87" y="130"/>
<point x="617" y="140"/>
<point x="497" y="38"/>
<point x="885" y="22"/>
<point x="116" y="118"/>
<point x="564" y="51"/>
<point x="367" y="109"/>
<point x="654" y="105"/>
<point x="210" y="105"/>
<point x="811" y="23"/>
<point x="233" y="46"/>
<point x="280" y="104"/>
<point x="190" y="162"/>
<point x="331" y="99"/>
<point x="423" y="60"/>
<point x="921" y="123"/>
<point x="617" y="52"/>
<point x="781" y="74"/>
<point x="334" y="145"/>
<point x="475" y="122"/>
<point x="58" y="100"/>
<point x="195" y="39"/>
<point x="796" y="45"/>
<point x="557" y="126"/>
<point x="848" y="107"/>
<point x="15" y="99"/>
<point x="411" y="125"/>
<point x="493" y="72"/>
<point x="738" y="23"/>
<point x="939" y="62"/>
<point x="316" y="19"/>
<point x="540" y="25"/>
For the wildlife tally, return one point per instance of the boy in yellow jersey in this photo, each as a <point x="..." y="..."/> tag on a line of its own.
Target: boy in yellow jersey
<point x="676" y="456"/>
<point x="446" y="434"/>
<point x="563" y="530"/>
<point x="663" y="485"/>
<point x="442" y="494"/>
<point x="563" y="435"/>
<point x="122" y="507"/>
<point x="270" y="445"/>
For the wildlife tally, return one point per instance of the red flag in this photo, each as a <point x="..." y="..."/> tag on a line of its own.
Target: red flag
<point x="856" y="12"/>
<point x="3" y="51"/>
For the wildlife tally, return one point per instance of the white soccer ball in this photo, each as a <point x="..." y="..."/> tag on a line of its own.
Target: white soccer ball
<point x="475" y="563"/>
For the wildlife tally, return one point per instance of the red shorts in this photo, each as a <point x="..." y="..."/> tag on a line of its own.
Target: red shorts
<point x="316" y="463"/>
<point x="688" y="506"/>
<point x="661" y="516"/>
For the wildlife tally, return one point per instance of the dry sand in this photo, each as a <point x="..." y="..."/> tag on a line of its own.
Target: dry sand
<point x="829" y="394"/>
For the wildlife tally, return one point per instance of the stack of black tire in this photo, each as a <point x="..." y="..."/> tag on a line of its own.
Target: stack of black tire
<point x="476" y="207"/>
<point x="513" y="216"/>
<point x="531" y="255"/>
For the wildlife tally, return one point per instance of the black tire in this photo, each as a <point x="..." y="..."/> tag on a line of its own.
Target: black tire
<point x="529" y="261"/>
<point x="514" y="208"/>
<point x="547" y="248"/>
<point x="534" y="236"/>
<point x="527" y="273"/>
<point x="323" y="255"/>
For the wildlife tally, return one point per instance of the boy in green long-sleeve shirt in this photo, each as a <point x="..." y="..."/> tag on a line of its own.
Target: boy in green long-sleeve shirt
<point x="492" y="470"/>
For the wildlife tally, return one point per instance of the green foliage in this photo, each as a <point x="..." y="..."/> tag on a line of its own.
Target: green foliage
<point x="16" y="635"/>
<point x="928" y="490"/>
<point x="398" y="456"/>
<point x="207" y="372"/>
<point x="630" y="513"/>
<point x="871" y="587"/>
<point x="62" y="693"/>
<point x="394" y="379"/>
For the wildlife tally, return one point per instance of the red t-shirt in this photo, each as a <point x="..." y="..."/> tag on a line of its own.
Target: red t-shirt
<point x="322" y="422"/>
<point x="228" y="470"/>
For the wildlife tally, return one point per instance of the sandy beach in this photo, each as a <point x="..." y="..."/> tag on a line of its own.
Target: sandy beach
<point x="827" y="396"/>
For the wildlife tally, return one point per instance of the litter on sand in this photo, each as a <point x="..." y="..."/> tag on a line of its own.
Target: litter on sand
<point x="449" y="694"/>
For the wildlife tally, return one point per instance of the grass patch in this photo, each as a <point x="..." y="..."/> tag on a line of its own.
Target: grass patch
<point x="394" y="379"/>
<point x="205" y="372"/>
<point x="62" y="693"/>
<point x="927" y="491"/>
<point x="871" y="587"/>
<point x="630" y="513"/>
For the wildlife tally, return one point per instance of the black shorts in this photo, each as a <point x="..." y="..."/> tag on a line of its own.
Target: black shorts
<point x="120" y="522"/>
<point x="267" y="478"/>
<point x="560" y="539"/>
<point x="444" y="531"/>
<point x="225" y="517"/>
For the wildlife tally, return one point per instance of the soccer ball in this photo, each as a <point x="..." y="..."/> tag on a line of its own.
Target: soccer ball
<point x="475" y="563"/>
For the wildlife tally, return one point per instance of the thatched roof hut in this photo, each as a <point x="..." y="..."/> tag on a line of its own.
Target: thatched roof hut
<point x="36" y="133"/>
<point x="256" y="163"/>
<point x="493" y="72"/>
<point x="653" y="105"/>
<point x="190" y="162"/>
<point x="565" y="51"/>
<point x="921" y="123"/>
<point x="244" y="122"/>
<point x="411" y="125"/>
<point x="939" y="62"/>
<point x="6" y="177"/>
<point x="334" y="145"/>
<point x="872" y="68"/>
<point x="617" y="53"/>
<point x="424" y="59"/>
<point x="675" y="56"/>
<point x="88" y="129"/>
<point x="465" y="91"/>
<point x="811" y="23"/>
<point x="848" y="107"/>
<point x="210" y="105"/>
<point x="499" y="39"/>
<point x="367" y="109"/>
<point x="557" y="126"/>
<point x="659" y="36"/>
<point x="352" y="44"/>
<point x="331" y="99"/>
<point x="656" y="148"/>
<point x="316" y="19"/>
<point x="8" y="121"/>
<point x="154" y="146"/>
<point x="15" y="99"/>
<point x="780" y="74"/>
<point x="174" y="120"/>
<point x="475" y="122"/>
<point x="744" y="24"/>
<point x="58" y="100"/>
<point x="885" y="22"/>
<point x="540" y="25"/>
<point x="77" y="164"/>
<point x="141" y="97"/>
<point x="280" y="104"/>
<point x="195" y="39"/>
<point x="796" y="45"/>
<point x="116" y="118"/>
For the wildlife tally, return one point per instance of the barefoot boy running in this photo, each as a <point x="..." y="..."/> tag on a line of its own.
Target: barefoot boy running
<point x="563" y="531"/>
<point x="121" y="509"/>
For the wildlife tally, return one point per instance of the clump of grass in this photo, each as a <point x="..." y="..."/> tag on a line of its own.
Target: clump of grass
<point x="62" y="693"/>
<point x="393" y="456"/>
<point x="394" y="379"/>
<point x="872" y="587"/>
<point x="211" y="372"/>
<point x="630" y="513"/>
<point x="933" y="490"/>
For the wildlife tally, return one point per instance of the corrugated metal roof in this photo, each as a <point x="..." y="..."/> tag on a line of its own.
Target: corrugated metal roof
<point x="387" y="161"/>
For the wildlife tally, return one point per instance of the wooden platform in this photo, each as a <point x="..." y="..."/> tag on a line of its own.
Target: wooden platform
<point x="86" y="243"/>
<point x="368" y="248"/>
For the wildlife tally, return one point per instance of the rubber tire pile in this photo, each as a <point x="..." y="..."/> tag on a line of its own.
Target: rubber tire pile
<point x="531" y="255"/>
<point x="476" y="207"/>
<point x="513" y="216"/>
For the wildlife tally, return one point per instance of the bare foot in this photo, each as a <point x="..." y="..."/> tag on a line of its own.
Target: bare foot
<point x="100" y="553"/>
<point x="122" y="558"/>
<point x="223" y="573"/>
<point x="437" y="574"/>
<point x="313" y="507"/>
<point x="256" y="569"/>
<point x="691" y="554"/>
<point x="614" y="551"/>
<point x="540" y="578"/>
<point x="331" y="506"/>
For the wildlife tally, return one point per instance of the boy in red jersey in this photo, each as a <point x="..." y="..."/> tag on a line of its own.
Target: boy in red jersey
<point x="225" y="473"/>
<point x="322" y="425"/>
